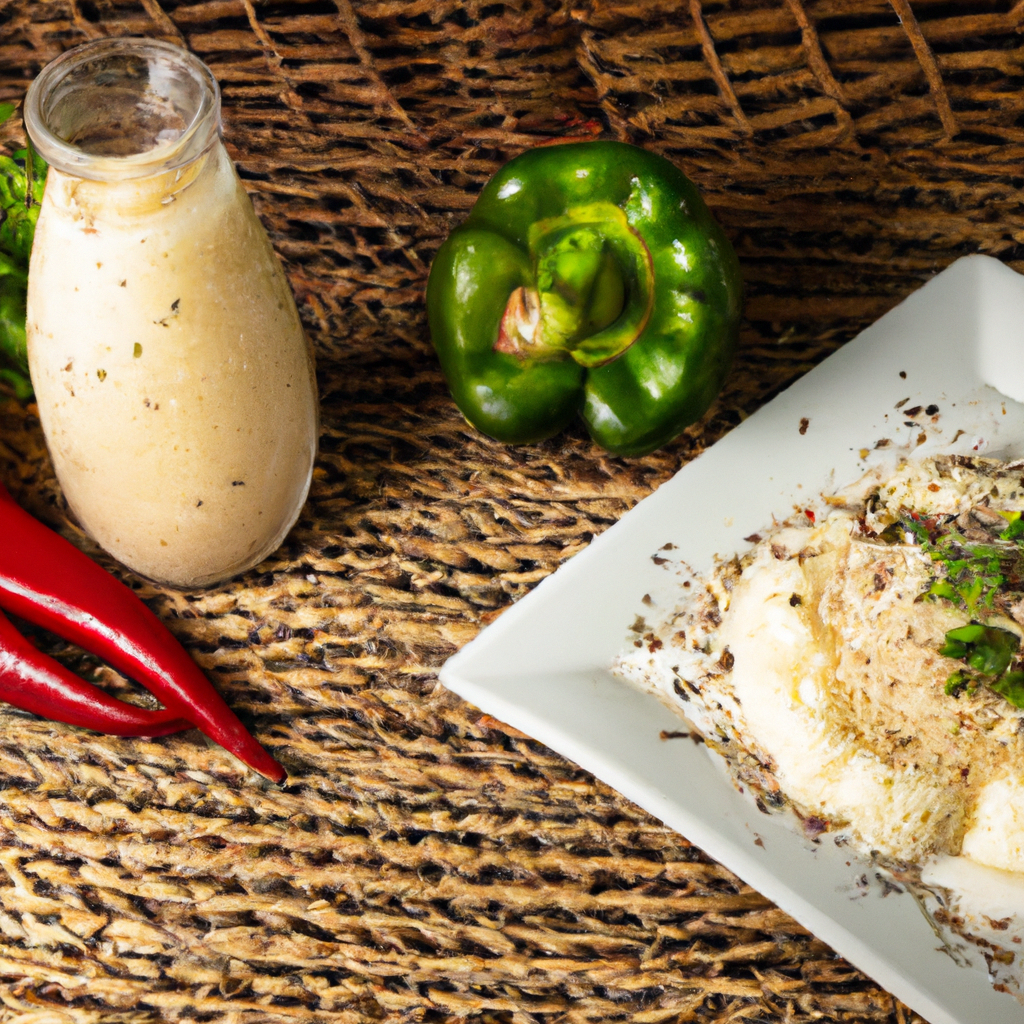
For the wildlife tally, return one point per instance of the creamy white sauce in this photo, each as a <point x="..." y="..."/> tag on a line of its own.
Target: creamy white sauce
<point x="173" y="377"/>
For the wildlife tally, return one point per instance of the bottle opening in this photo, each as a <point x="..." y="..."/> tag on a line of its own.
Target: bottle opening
<point x="122" y="108"/>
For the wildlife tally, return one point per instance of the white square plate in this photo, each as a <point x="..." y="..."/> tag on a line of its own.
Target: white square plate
<point x="543" y="667"/>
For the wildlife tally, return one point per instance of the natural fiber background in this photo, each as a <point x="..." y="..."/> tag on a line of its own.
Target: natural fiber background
<point x="425" y="863"/>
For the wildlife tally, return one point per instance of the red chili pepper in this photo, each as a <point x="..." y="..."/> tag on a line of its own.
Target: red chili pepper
<point x="48" y="581"/>
<point x="33" y="681"/>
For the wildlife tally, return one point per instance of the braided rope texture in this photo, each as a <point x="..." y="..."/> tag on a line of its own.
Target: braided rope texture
<point x="425" y="862"/>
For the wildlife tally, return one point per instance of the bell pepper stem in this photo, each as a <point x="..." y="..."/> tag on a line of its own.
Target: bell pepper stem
<point x="518" y="330"/>
<point x="592" y="294"/>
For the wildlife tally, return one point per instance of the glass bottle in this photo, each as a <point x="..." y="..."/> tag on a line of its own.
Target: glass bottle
<point x="174" y="380"/>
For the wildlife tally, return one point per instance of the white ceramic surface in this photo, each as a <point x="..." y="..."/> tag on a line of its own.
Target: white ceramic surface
<point x="543" y="666"/>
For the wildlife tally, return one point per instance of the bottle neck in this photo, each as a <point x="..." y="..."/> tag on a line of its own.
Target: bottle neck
<point x="123" y="109"/>
<point x="209" y="180"/>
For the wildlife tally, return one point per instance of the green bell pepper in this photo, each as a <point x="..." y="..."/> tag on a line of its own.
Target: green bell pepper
<point x="588" y="278"/>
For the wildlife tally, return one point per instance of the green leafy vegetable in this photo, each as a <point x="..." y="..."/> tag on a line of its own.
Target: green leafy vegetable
<point x="22" y="178"/>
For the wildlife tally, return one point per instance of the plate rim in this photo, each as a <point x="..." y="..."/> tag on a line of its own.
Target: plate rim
<point x="971" y="281"/>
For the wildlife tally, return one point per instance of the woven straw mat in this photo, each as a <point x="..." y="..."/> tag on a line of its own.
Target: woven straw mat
<point x="425" y="862"/>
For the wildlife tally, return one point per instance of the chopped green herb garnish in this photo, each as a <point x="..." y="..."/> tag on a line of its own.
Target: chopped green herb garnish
<point x="958" y="682"/>
<point x="1011" y="686"/>
<point x="988" y="652"/>
<point x="1015" y="528"/>
<point x="973" y="574"/>
<point x="974" y="571"/>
